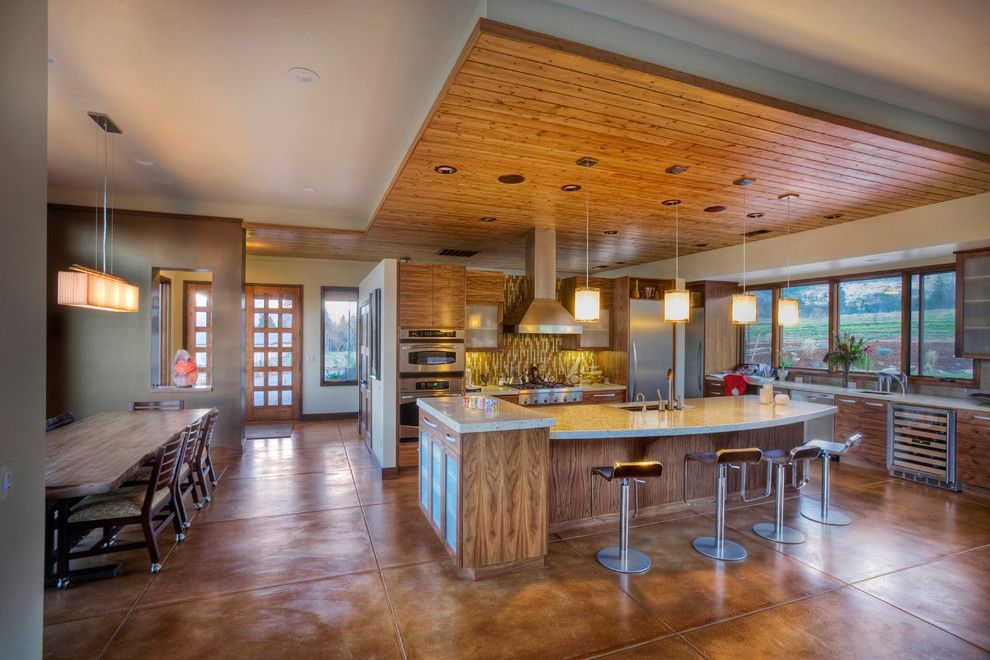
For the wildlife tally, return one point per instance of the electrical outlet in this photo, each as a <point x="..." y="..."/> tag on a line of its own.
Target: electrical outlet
<point x="6" y="480"/>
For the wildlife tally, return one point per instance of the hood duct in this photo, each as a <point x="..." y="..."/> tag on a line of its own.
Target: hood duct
<point x="540" y="312"/>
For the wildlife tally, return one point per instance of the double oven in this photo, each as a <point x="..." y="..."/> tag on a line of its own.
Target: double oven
<point x="431" y="364"/>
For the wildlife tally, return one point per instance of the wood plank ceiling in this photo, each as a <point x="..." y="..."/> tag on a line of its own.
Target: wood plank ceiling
<point x="524" y="103"/>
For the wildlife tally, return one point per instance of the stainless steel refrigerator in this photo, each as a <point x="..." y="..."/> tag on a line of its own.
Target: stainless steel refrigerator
<point x="694" y="354"/>
<point x="651" y="349"/>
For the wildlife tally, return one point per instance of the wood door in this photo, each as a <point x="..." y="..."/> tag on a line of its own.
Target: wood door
<point x="448" y="296"/>
<point x="197" y="324"/>
<point x="273" y="351"/>
<point x="415" y="296"/>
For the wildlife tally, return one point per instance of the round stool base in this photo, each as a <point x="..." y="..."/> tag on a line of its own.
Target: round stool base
<point x="787" y="534"/>
<point x="636" y="561"/>
<point x="731" y="551"/>
<point x="834" y="517"/>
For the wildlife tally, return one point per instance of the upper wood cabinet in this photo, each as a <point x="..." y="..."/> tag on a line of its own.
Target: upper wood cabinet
<point x="484" y="286"/>
<point x="721" y="336"/>
<point x="973" y="304"/>
<point x="431" y="296"/>
<point x="595" y="335"/>
<point x="485" y="297"/>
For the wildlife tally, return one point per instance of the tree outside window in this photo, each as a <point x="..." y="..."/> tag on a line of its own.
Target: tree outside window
<point x="339" y="360"/>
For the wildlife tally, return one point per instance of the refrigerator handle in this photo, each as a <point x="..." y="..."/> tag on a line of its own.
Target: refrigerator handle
<point x="701" y="365"/>
<point x="635" y="369"/>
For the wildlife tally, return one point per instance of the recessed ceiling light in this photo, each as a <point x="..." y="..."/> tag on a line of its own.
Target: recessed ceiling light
<point x="303" y="75"/>
<point x="512" y="178"/>
<point x="611" y="232"/>
<point x="754" y="214"/>
<point x="700" y="245"/>
<point x="619" y="263"/>
<point x="832" y="216"/>
<point x="404" y="260"/>
<point x="671" y="202"/>
<point x="744" y="181"/>
<point x="718" y="208"/>
<point x="570" y="187"/>
<point x="444" y="169"/>
<point x="587" y="161"/>
<point x="308" y="189"/>
<point x="676" y="169"/>
<point x="144" y="162"/>
<point x="489" y="218"/>
<point x="162" y="180"/>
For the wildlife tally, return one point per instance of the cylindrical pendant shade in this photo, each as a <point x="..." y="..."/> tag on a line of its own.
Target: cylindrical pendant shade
<point x="676" y="305"/>
<point x="788" y="312"/>
<point x="91" y="289"/>
<point x="743" y="308"/>
<point x="587" y="304"/>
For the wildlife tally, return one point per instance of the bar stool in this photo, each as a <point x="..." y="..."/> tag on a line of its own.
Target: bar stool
<point x="717" y="547"/>
<point x="622" y="558"/>
<point x="781" y="459"/>
<point x="829" y="449"/>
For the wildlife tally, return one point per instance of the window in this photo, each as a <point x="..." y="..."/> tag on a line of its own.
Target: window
<point x="758" y="337"/>
<point x="199" y="328"/>
<point x="933" y="328"/>
<point x="871" y="309"/>
<point x="804" y="345"/>
<point x="339" y="330"/>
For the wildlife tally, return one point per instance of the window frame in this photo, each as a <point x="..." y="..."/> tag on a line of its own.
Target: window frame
<point x="324" y="290"/>
<point x="833" y="322"/>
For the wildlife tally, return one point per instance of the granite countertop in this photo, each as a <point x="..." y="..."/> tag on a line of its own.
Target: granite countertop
<point x="506" y="415"/>
<point x="711" y="415"/>
<point x="957" y="403"/>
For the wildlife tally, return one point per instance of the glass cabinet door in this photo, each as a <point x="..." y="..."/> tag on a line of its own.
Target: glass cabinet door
<point x="424" y="470"/>
<point x="436" y="501"/>
<point x="450" y="504"/>
<point x="483" y="325"/>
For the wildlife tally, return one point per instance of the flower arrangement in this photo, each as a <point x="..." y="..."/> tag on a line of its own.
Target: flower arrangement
<point x="849" y="351"/>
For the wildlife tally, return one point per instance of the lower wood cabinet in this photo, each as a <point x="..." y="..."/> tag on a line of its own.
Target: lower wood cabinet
<point x="869" y="418"/>
<point x="973" y="449"/>
<point x="603" y="396"/>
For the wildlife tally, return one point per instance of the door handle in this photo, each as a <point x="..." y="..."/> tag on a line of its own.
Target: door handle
<point x="701" y="363"/>
<point x="635" y="369"/>
<point x="983" y="418"/>
<point x="610" y="395"/>
<point x="428" y="422"/>
<point x="848" y="400"/>
<point x="875" y="405"/>
<point x="451" y="439"/>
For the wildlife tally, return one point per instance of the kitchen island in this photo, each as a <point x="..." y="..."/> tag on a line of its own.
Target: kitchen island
<point x="494" y="483"/>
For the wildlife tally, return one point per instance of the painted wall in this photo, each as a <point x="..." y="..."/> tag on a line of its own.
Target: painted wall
<point x="102" y="361"/>
<point x="917" y="237"/>
<point x="312" y="274"/>
<point x="384" y="392"/>
<point x="23" y="183"/>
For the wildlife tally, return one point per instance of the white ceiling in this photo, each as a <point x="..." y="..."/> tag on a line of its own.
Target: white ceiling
<point x="201" y="90"/>
<point x="930" y="56"/>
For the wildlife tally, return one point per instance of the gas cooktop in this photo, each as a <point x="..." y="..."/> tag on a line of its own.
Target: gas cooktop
<point x="525" y="387"/>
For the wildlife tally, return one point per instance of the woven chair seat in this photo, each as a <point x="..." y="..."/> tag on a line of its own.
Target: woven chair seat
<point x="122" y="503"/>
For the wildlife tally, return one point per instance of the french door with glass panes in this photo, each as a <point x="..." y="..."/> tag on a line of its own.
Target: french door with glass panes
<point x="273" y="350"/>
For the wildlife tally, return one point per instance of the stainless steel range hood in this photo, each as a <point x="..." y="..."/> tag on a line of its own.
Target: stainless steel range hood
<point x="540" y="313"/>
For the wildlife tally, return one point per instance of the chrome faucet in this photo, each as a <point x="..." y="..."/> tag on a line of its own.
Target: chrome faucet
<point x="887" y="377"/>
<point x="642" y="397"/>
<point x="673" y="403"/>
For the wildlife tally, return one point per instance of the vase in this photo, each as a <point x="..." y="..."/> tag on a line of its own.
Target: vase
<point x="845" y="375"/>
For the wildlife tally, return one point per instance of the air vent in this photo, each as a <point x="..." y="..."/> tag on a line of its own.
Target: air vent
<point x="756" y="232"/>
<point x="447" y="252"/>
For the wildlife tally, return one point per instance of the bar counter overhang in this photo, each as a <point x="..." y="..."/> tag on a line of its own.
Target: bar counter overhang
<point x="533" y="466"/>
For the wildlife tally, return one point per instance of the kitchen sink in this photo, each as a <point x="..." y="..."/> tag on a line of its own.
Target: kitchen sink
<point x="636" y="407"/>
<point x="880" y="392"/>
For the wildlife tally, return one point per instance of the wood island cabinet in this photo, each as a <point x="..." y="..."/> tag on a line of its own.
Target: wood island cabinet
<point x="431" y="296"/>
<point x="868" y="417"/>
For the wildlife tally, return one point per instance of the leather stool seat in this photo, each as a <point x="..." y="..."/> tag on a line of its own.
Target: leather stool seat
<point x="822" y="513"/>
<point x="781" y="459"/>
<point x="631" y="470"/>
<point x="720" y="456"/>
<point x="622" y="558"/>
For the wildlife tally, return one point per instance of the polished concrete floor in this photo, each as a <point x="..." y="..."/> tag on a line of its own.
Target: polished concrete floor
<point x="306" y="553"/>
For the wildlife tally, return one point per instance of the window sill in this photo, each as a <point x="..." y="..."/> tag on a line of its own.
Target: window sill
<point x="342" y="383"/>
<point x="173" y="388"/>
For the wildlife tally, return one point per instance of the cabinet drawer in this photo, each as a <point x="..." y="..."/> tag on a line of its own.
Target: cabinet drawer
<point x="603" y="396"/>
<point x="439" y="430"/>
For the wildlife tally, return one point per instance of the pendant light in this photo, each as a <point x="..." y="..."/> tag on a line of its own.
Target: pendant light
<point x="744" y="304"/>
<point x="98" y="288"/>
<point x="587" y="299"/>
<point x="676" y="302"/>
<point x="788" y="309"/>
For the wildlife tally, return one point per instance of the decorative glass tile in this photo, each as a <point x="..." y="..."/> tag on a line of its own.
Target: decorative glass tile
<point x="259" y="320"/>
<point x="286" y="320"/>
<point x="286" y="302"/>
<point x="259" y="303"/>
<point x="286" y="339"/>
<point x="286" y="379"/>
<point x="273" y="303"/>
<point x="259" y="360"/>
<point x="273" y="320"/>
<point x="273" y="339"/>
<point x="259" y="378"/>
<point x="286" y="397"/>
<point x="286" y="359"/>
<point x="273" y="359"/>
<point x="272" y="379"/>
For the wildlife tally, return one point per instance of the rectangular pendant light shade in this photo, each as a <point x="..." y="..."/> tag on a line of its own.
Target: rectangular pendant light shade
<point x="788" y="312"/>
<point x="91" y="289"/>
<point x="743" y="308"/>
<point x="587" y="304"/>
<point x="676" y="305"/>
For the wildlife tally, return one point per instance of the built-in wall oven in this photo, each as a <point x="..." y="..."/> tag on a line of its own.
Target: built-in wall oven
<point x="413" y="389"/>
<point x="431" y="352"/>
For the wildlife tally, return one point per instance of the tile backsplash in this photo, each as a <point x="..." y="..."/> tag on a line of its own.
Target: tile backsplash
<point x="520" y="352"/>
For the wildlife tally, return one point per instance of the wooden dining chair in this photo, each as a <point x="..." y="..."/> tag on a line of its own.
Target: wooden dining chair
<point x="185" y="482"/>
<point x="153" y="506"/>
<point x="174" y="404"/>
<point x="58" y="421"/>
<point x="203" y="462"/>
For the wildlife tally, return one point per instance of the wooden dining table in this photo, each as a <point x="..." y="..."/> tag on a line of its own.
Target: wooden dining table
<point x="98" y="454"/>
